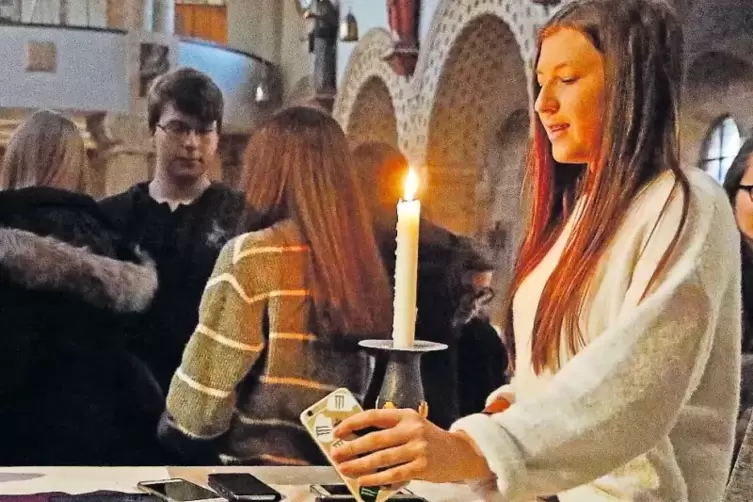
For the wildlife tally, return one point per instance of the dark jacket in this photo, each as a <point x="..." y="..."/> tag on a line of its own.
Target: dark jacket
<point x="71" y="394"/>
<point x="184" y="243"/>
<point x="747" y="291"/>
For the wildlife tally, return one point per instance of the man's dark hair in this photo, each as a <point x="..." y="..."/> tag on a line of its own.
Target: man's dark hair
<point x="191" y="92"/>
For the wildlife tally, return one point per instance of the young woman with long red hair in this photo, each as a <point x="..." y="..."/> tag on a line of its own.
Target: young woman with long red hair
<point x="624" y="311"/>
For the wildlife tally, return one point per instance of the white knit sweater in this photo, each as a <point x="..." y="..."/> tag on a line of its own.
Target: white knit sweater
<point x="646" y="411"/>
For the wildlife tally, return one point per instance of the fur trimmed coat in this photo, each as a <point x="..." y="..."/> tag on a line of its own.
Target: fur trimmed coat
<point x="71" y="392"/>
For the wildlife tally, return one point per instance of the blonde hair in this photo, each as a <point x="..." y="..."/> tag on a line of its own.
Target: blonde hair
<point x="297" y="165"/>
<point x="45" y="150"/>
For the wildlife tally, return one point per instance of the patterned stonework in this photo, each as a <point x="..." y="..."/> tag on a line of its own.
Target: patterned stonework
<point x="373" y="115"/>
<point x="368" y="77"/>
<point x="470" y="83"/>
<point x="470" y="77"/>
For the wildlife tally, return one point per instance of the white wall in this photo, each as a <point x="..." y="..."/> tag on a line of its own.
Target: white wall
<point x="88" y="13"/>
<point x="295" y="60"/>
<point x="255" y="26"/>
<point x="81" y="12"/>
<point x="273" y="30"/>
<point x="104" y="61"/>
<point x="373" y="14"/>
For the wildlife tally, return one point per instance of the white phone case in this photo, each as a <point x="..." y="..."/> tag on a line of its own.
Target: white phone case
<point x="320" y="420"/>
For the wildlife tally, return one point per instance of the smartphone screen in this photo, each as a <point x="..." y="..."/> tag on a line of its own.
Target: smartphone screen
<point x="179" y="490"/>
<point x="341" y="490"/>
<point x="336" y="489"/>
<point x="240" y="486"/>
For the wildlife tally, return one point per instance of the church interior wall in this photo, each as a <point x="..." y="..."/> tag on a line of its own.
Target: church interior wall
<point x="460" y="118"/>
<point x="463" y="115"/>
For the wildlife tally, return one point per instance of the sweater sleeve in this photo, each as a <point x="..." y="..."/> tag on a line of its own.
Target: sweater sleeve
<point x="506" y="392"/>
<point x="623" y="392"/>
<point x="225" y="346"/>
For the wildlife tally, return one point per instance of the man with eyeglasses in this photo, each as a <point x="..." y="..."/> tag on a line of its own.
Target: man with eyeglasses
<point x="180" y="217"/>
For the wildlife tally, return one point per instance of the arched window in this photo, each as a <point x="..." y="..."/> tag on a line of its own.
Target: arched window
<point x="720" y="147"/>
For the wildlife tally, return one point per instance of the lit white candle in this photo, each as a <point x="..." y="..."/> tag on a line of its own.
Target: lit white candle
<point x="406" y="264"/>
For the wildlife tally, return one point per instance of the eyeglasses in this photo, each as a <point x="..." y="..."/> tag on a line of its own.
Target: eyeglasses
<point x="182" y="130"/>
<point x="747" y="188"/>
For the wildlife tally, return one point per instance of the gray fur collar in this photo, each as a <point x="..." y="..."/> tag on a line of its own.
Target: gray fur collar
<point x="47" y="264"/>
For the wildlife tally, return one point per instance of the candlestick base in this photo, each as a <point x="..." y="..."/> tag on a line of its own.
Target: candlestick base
<point x="402" y="386"/>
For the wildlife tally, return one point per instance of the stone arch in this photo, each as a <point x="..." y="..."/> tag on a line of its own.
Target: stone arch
<point x="500" y="190"/>
<point x="372" y="115"/>
<point x="449" y="24"/>
<point x="301" y="93"/>
<point x="716" y="84"/>
<point x="721" y="26"/>
<point x="718" y="70"/>
<point x="369" y="79"/>
<point x="482" y="83"/>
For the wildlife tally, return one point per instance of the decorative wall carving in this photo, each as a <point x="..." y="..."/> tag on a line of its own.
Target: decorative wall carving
<point x="41" y="57"/>
<point x="373" y="116"/>
<point x="470" y="76"/>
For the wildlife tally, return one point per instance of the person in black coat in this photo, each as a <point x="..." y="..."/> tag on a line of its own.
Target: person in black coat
<point x="180" y="217"/>
<point x="738" y="183"/>
<point x="71" y="393"/>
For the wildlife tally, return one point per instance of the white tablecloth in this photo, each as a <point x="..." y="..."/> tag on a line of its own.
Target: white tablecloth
<point x="294" y="482"/>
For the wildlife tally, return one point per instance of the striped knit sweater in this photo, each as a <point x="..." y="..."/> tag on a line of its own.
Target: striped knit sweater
<point x="253" y="364"/>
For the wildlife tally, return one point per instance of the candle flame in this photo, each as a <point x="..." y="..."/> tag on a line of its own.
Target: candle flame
<point x="410" y="186"/>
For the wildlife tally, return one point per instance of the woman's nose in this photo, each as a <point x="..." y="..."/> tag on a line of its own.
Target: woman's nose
<point x="545" y="101"/>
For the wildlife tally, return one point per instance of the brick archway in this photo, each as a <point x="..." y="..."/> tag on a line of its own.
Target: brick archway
<point x="483" y="81"/>
<point x="368" y="77"/>
<point x="372" y="116"/>
<point x="497" y="38"/>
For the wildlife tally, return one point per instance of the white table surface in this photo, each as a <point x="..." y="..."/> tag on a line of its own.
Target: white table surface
<point x="293" y="482"/>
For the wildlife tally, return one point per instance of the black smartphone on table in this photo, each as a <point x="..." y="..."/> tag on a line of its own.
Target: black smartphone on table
<point x="243" y="487"/>
<point x="179" y="490"/>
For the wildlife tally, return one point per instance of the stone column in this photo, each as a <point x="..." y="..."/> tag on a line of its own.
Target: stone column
<point x="116" y="14"/>
<point x="64" y="12"/>
<point x="147" y="22"/>
<point x="138" y="14"/>
<point x="323" y="43"/>
<point x="164" y="16"/>
<point x="124" y="152"/>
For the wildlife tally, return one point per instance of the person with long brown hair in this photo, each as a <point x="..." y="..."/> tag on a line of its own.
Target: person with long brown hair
<point x="624" y="311"/>
<point x="286" y="305"/>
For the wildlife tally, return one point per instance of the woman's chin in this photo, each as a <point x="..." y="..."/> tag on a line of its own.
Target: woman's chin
<point x="565" y="156"/>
